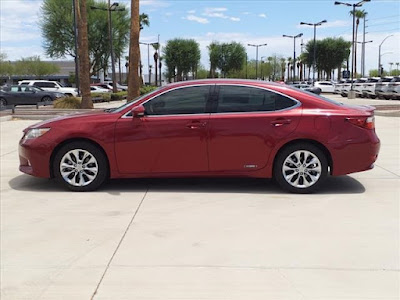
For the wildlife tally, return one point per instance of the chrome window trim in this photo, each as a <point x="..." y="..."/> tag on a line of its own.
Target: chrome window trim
<point x="298" y="103"/>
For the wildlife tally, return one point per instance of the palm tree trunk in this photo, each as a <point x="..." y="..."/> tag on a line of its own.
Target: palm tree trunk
<point x="134" y="53"/>
<point x="355" y="50"/>
<point x="83" y="51"/>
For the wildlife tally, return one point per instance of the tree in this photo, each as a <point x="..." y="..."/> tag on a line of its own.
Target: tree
<point x="331" y="53"/>
<point x="143" y="21"/>
<point x="58" y="31"/>
<point x="6" y="67"/>
<point x="181" y="56"/>
<point x="34" y="66"/>
<point x="134" y="53"/>
<point x="83" y="53"/>
<point x="214" y="54"/>
<point x="227" y="57"/>
<point x="359" y="14"/>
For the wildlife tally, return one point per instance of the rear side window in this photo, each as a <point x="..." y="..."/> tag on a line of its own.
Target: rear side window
<point x="24" y="83"/>
<point x="249" y="99"/>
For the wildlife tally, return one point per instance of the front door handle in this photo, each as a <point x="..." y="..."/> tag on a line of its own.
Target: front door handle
<point x="196" y="125"/>
<point x="280" y="122"/>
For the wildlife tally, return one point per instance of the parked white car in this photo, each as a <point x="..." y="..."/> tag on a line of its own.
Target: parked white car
<point x="346" y="88"/>
<point x="52" y="86"/>
<point x="382" y="88"/>
<point x="119" y="86"/>
<point x="358" y="86"/>
<point x="338" y="87"/>
<point x="369" y="87"/>
<point x="394" y="88"/>
<point x="325" y="86"/>
<point x="97" y="89"/>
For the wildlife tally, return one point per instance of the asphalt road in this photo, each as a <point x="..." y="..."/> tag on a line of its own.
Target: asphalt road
<point x="201" y="238"/>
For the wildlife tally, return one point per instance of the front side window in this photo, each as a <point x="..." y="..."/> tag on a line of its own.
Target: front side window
<point x="248" y="99"/>
<point x="187" y="100"/>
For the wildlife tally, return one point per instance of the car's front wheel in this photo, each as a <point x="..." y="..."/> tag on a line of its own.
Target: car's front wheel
<point x="80" y="166"/>
<point x="301" y="168"/>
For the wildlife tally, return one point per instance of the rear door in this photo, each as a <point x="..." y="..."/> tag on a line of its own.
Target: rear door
<point x="246" y="125"/>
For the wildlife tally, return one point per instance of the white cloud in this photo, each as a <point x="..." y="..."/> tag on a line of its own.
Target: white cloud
<point x="191" y="12"/>
<point x="246" y="13"/>
<point x="218" y="12"/>
<point x="262" y="16"/>
<point x="196" y="19"/>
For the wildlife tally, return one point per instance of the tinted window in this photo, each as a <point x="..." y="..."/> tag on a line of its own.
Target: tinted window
<point x="190" y="100"/>
<point x="247" y="99"/>
<point x="24" y="83"/>
<point x="44" y="84"/>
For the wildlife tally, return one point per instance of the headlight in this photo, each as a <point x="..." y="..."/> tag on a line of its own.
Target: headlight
<point x="35" y="133"/>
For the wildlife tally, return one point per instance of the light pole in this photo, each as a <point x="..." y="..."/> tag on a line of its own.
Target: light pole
<point x="262" y="71"/>
<point x="363" y="56"/>
<point x="294" y="37"/>
<point x="315" y="45"/>
<point x="109" y="9"/>
<point x="351" y="94"/>
<point x="379" y="58"/>
<point x="148" y="57"/>
<point x="256" y="46"/>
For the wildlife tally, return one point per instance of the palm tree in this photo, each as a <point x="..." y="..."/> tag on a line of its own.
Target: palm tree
<point x="143" y="21"/>
<point x="134" y="53"/>
<point x="391" y="65"/>
<point x="397" y="67"/>
<point x="283" y="67"/>
<point x="289" y="60"/>
<point x="83" y="53"/>
<point x="359" y="14"/>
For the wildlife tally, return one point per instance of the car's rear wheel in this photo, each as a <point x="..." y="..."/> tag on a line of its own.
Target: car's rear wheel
<point x="372" y="96"/>
<point x="46" y="99"/>
<point x="80" y="166"/>
<point x="301" y="168"/>
<point x="3" y="103"/>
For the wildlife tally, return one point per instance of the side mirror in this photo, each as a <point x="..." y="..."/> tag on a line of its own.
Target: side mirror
<point x="138" y="111"/>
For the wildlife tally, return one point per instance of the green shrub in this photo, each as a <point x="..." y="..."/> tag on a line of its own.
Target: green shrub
<point x="68" y="102"/>
<point x="147" y="89"/>
<point x="118" y="96"/>
<point x="105" y="97"/>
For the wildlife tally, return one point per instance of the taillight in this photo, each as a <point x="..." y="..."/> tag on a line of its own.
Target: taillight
<point x="364" y="122"/>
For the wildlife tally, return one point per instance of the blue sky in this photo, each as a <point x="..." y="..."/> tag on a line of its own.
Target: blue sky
<point x="255" y="22"/>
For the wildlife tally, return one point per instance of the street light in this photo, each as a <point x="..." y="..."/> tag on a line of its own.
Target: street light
<point x="148" y="57"/>
<point x="109" y="9"/>
<point x="363" y="56"/>
<point x="351" y="94"/>
<point x="379" y="59"/>
<point x="256" y="46"/>
<point x="294" y="37"/>
<point x="315" y="45"/>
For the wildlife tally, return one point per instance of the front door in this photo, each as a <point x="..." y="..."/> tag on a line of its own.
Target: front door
<point x="170" y="138"/>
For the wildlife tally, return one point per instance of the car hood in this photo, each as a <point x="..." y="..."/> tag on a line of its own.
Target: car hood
<point x="75" y="118"/>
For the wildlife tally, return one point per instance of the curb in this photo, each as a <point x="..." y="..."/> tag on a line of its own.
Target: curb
<point x="5" y="118"/>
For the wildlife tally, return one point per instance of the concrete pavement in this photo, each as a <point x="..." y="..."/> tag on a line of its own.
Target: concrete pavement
<point x="201" y="238"/>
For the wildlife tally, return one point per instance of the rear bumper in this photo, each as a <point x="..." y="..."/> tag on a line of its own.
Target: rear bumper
<point x="356" y="155"/>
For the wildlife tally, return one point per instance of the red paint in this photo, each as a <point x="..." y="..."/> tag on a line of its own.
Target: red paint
<point x="210" y="144"/>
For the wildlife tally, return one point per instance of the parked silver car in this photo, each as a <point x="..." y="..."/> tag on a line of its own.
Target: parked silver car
<point x="382" y="88"/>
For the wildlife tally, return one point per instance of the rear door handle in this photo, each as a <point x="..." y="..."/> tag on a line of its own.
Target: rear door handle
<point x="280" y="122"/>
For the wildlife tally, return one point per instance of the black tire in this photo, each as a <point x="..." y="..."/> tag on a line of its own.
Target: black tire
<point x="83" y="147"/>
<point x="372" y="96"/>
<point x="386" y="97"/>
<point x="3" y="103"/>
<point x="47" y="99"/>
<point x="304" y="179"/>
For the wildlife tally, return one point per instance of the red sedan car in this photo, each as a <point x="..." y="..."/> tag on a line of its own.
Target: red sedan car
<point x="207" y="128"/>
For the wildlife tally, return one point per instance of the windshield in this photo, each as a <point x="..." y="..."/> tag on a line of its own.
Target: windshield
<point x="121" y="108"/>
